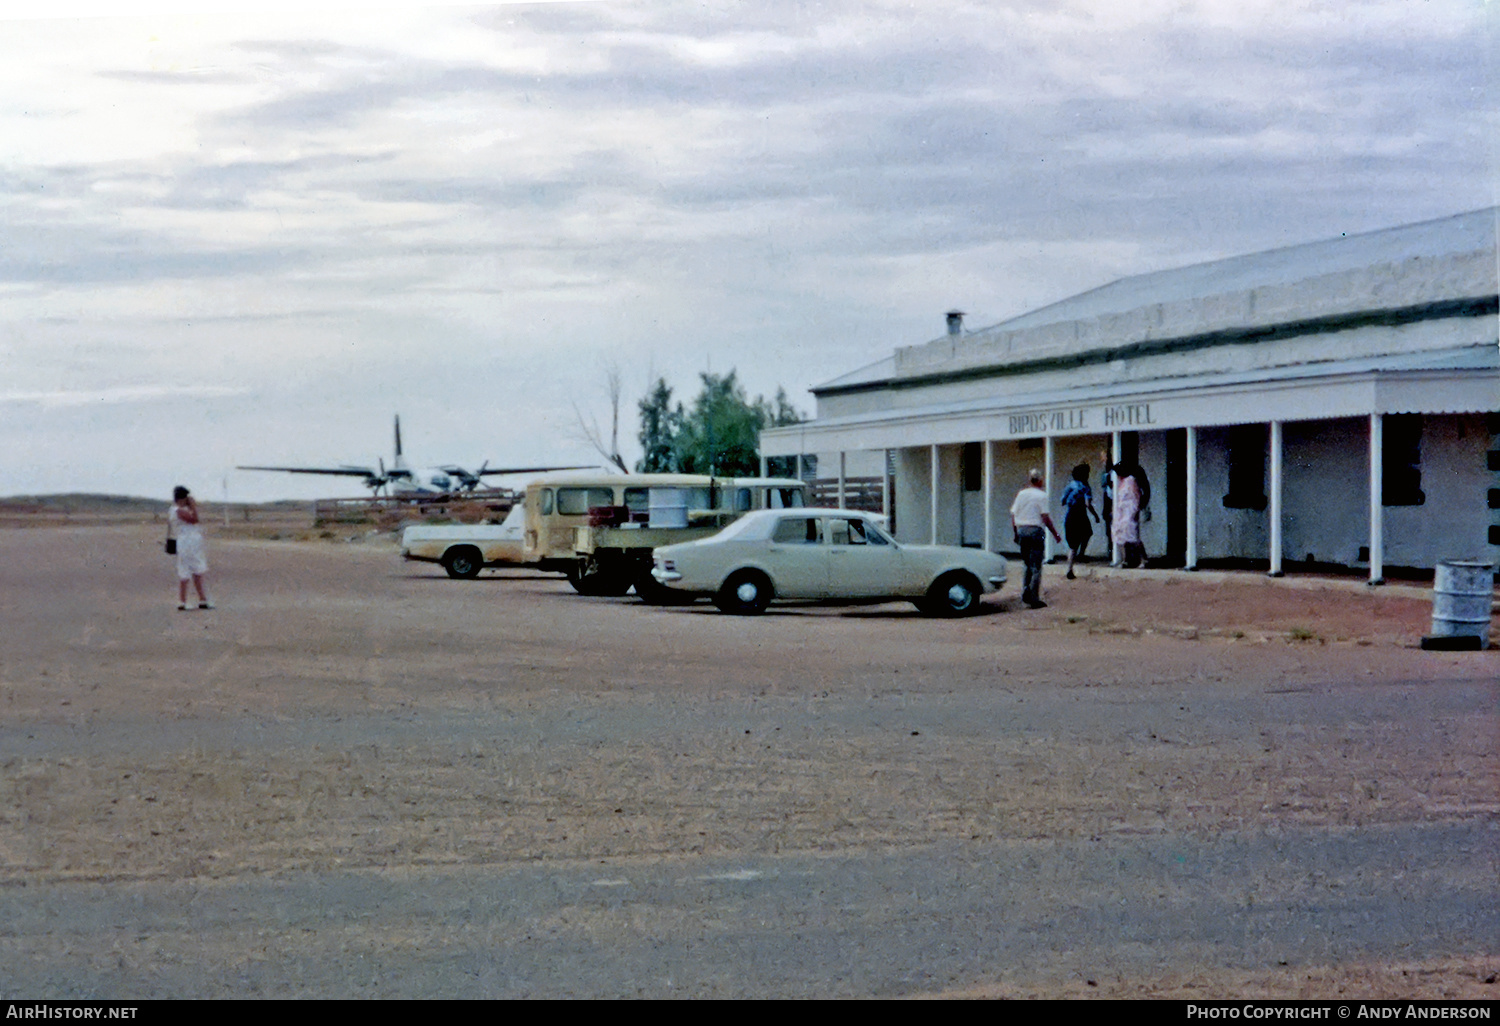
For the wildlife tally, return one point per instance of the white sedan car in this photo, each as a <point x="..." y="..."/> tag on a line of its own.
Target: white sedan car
<point x="828" y="554"/>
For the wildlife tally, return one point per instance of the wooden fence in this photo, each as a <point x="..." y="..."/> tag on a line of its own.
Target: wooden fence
<point x="862" y="493"/>
<point x="381" y="509"/>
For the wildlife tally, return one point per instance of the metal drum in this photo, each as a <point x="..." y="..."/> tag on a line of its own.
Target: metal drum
<point x="1462" y="592"/>
<point x="669" y="507"/>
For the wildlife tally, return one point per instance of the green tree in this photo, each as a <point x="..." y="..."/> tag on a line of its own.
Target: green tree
<point x="779" y="411"/>
<point x="661" y="423"/>
<point x="719" y="434"/>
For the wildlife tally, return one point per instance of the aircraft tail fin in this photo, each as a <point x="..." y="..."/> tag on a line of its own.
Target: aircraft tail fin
<point x="399" y="464"/>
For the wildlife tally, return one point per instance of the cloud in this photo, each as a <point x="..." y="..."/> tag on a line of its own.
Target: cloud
<point x="121" y="395"/>
<point x="921" y="133"/>
<point x="462" y="212"/>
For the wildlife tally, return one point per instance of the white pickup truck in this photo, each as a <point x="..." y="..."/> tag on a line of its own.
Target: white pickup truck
<point x="466" y="549"/>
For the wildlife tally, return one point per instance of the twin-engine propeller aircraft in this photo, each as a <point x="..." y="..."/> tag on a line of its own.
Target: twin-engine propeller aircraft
<point x="444" y="480"/>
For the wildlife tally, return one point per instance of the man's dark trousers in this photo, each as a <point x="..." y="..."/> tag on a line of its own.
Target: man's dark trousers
<point x="1033" y="547"/>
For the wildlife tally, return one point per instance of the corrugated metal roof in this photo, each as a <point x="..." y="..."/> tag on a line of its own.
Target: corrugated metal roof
<point x="1410" y="264"/>
<point x="880" y="370"/>
<point x="1472" y="232"/>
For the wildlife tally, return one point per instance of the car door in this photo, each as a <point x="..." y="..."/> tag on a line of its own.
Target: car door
<point x="862" y="563"/>
<point x="797" y="557"/>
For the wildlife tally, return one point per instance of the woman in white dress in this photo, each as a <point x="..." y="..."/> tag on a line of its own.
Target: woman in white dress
<point x="192" y="559"/>
<point x="1125" y="524"/>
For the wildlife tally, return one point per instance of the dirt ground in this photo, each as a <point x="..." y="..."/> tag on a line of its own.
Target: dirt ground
<point x="341" y="712"/>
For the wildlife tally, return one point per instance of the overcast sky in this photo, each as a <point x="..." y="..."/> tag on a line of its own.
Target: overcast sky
<point x="253" y="238"/>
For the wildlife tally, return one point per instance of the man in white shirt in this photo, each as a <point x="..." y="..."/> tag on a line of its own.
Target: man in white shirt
<point x="1028" y="517"/>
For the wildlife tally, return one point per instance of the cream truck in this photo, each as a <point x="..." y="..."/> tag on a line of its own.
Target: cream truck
<point x="601" y="529"/>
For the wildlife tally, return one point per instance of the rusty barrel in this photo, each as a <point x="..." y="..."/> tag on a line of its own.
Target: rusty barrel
<point x="1462" y="593"/>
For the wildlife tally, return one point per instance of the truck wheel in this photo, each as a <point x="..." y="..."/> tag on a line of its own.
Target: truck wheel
<point x="581" y="584"/>
<point x="464" y="561"/>
<point x="745" y="593"/>
<point x="613" y="584"/>
<point x="599" y="583"/>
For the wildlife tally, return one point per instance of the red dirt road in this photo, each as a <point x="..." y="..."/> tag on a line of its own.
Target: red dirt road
<point x="344" y="713"/>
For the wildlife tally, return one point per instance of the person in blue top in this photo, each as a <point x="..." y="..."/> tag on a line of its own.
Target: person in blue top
<point x="1078" y="505"/>
<point x="1106" y="500"/>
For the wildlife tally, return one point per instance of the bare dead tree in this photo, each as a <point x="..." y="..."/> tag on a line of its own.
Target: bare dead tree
<point x="589" y="426"/>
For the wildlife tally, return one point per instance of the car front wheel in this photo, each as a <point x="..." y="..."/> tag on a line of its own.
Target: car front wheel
<point x="745" y="593"/>
<point x="953" y="594"/>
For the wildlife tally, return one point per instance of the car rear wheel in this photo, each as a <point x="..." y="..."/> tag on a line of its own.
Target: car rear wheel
<point x="953" y="594"/>
<point x="464" y="561"/>
<point x="745" y="593"/>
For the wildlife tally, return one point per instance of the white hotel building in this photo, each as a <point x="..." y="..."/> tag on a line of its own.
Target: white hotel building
<point x="1335" y="403"/>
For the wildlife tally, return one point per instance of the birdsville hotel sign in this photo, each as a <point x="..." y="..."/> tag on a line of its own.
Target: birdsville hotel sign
<point x="1071" y="419"/>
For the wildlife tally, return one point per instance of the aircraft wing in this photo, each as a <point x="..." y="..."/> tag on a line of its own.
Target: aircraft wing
<point x="528" y="470"/>
<point x="341" y="471"/>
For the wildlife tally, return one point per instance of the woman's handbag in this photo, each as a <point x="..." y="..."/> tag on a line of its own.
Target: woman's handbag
<point x="171" y="543"/>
